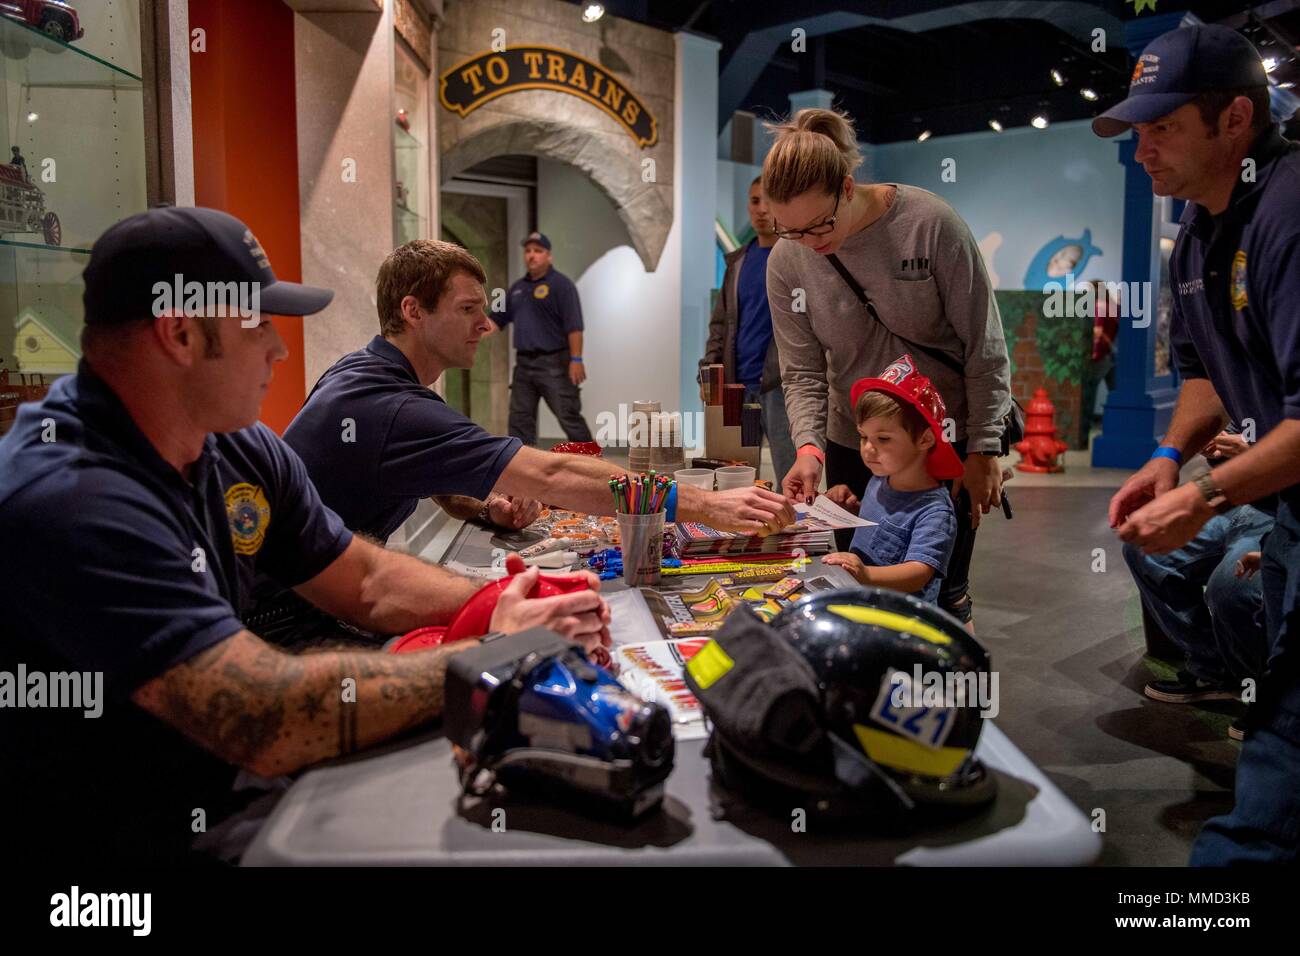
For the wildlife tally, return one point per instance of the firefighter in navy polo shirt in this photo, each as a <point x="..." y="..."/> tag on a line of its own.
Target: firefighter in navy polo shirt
<point x="1199" y="103"/>
<point x="138" y="502"/>
<point x="547" y="316"/>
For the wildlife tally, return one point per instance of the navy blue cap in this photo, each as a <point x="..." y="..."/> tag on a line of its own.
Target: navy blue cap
<point x="199" y="245"/>
<point x="539" y="238"/>
<point x="1178" y="66"/>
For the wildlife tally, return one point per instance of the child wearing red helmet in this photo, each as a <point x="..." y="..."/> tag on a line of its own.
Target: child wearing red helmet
<point x="900" y="419"/>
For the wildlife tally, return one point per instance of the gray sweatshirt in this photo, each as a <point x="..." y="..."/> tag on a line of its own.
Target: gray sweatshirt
<point x="922" y="269"/>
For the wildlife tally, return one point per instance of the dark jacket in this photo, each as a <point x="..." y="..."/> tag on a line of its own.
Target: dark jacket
<point x="725" y="324"/>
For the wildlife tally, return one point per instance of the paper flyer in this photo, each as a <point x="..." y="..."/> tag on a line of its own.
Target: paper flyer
<point x="653" y="671"/>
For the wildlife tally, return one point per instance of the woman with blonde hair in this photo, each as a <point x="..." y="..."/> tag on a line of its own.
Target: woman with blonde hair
<point x="866" y="273"/>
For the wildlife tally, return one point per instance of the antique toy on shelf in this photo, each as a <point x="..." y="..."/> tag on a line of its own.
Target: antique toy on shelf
<point x="22" y="206"/>
<point x="54" y="18"/>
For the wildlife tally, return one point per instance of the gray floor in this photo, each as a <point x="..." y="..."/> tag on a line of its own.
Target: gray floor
<point x="1067" y="644"/>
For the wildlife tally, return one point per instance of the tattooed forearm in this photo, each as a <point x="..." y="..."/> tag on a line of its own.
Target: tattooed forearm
<point x="274" y="713"/>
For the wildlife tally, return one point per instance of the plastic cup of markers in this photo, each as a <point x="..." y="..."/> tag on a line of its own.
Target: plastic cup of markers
<point x="642" y="541"/>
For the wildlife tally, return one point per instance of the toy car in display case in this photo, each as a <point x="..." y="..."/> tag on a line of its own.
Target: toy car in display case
<point x="52" y="17"/>
<point x="22" y="206"/>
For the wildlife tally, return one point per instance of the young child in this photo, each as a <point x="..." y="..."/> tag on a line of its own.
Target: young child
<point x="900" y="420"/>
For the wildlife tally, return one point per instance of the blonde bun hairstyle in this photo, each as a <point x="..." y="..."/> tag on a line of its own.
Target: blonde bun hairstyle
<point x="814" y="149"/>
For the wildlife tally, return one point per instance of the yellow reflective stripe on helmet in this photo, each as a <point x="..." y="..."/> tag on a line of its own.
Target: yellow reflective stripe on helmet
<point x="899" y="753"/>
<point x="897" y="622"/>
<point x="709" y="664"/>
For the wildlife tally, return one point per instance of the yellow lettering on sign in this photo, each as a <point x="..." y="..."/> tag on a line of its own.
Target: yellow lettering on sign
<point x="613" y="96"/>
<point x="555" y="67"/>
<point x="534" y="61"/>
<point x="596" y="77"/>
<point x="470" y="75"/>
<point x="631" y="112"/>
<point x="578" y="77"/>
<point x="499" y="75"/>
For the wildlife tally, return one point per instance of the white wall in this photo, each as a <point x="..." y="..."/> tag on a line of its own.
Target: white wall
<point x="632" y="341"/>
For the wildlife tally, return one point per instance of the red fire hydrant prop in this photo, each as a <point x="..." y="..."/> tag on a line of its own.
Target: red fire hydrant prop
<point x="1041" y="447"/>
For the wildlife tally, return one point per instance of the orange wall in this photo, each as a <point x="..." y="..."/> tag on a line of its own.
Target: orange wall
<point x="246" y="150"/>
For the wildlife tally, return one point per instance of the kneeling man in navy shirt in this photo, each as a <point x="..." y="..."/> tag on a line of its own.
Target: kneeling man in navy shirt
<point x="138" y="501"/>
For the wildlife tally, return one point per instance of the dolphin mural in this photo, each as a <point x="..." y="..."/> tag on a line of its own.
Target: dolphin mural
<point x="1058" y="259"/>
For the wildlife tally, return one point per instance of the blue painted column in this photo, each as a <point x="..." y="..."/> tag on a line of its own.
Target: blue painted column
<point x="1138" y="410"/>
<point x="696" y="194"/>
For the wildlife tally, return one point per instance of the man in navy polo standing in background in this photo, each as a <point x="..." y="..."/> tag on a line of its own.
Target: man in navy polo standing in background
<point x="547" y="315"/>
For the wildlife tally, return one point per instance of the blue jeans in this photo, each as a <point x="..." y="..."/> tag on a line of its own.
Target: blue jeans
<point x="776" y="428"/>
<point x="1215" y="617"/>
<point x="1264" y="824"/>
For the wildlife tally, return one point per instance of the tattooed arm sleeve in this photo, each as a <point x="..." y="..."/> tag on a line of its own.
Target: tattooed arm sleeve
<point x="273" y="713"/>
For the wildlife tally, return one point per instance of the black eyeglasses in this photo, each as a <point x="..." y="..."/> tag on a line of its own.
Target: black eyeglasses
<point x="821" y="229"/>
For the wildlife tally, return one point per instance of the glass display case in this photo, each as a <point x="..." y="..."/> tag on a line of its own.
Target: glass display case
<point x="410" y="146"/>
<point x="72" y="162"/>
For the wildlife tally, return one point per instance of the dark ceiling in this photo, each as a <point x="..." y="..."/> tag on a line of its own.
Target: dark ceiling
<point x="903" y="66"/>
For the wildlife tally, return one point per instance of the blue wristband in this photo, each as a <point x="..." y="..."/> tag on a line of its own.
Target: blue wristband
<point x="1165" y="451"/>
<point x="670" y="504"/>
<point x="576" y="358"/>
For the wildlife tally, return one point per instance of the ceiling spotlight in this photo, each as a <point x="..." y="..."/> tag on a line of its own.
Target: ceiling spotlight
<point x="1058" y="78"/>
<point x="995" y="126"/>
<point x="1039" y="122"/>
<point x="1270" y="64"/>
<point x="33" y="116"/>
<point x="591" y="12"/>
<point x="923" y="136"/>
<point x="1088" y="94"/>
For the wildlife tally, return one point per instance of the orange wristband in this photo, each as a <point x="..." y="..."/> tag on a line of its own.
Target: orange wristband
<point x="812" y="450"/>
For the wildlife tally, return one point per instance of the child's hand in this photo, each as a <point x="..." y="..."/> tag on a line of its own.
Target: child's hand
<point x="850" y="562"/>
<point x="843" y="497"/>
<point x="1249" y="563"/>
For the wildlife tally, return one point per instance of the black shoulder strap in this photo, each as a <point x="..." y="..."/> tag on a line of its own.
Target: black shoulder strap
<point x="943" y="358"/>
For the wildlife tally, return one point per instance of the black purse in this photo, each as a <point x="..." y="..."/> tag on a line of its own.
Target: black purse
<point x="1013" y="423"/>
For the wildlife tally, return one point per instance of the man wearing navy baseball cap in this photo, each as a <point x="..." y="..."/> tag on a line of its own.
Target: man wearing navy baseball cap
<point x="138" y="501"/>
<point x="547" y="316"/>
<point x="1199" y="104"/>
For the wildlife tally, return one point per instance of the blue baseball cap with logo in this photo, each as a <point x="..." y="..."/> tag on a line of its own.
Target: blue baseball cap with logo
<point x="539" y="238"/>
<point x="1178" y="66"/>
<point x="199" y="245"/>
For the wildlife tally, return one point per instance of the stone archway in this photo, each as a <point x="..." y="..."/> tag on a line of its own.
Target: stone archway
<point x="640" y="205"/>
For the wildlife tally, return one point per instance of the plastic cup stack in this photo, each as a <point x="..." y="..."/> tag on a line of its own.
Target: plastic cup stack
<point x="638" y="452"/>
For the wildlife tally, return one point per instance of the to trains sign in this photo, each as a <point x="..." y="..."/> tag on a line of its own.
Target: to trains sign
<point x="468" y="85"/>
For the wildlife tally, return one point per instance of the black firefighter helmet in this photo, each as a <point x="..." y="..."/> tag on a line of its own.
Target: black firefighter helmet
<point x="852" y="702"/>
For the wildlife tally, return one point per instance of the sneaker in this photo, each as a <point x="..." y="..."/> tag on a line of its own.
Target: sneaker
<point x="1186" y="689"/>
<point x="1237" y="729"/>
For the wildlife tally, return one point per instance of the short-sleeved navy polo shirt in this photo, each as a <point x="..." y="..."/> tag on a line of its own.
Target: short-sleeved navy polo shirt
<point x="114" y="563"/>
<point x="544" y="312"/>
<point x="375" y="441"/>
<point x="1235" y="280"/>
